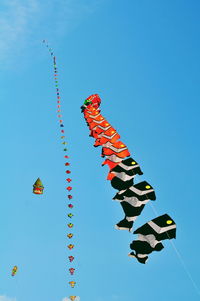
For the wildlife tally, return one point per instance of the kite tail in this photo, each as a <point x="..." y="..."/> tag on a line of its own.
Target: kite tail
<point x="70" y="205"/>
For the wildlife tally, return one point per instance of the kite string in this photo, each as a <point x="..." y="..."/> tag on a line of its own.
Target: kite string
<point x="179" y="257"/>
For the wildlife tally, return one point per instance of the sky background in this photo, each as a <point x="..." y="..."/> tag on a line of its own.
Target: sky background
<point x="142" y="58"/>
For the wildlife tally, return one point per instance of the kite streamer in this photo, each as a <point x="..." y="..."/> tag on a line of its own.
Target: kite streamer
<point x="122" y="171"/>
<point x="70" y="246"/>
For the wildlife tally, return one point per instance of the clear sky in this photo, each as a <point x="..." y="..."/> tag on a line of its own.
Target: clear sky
<point x="142" y="58"/>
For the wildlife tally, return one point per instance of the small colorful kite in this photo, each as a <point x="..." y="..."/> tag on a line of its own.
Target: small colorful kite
<point x="38" y="187"/>
<point x="14" y="270"/>
<point x="72" y="270"/>
<point x="70" y="246"/>
<point x="71" y="258"/>
<point x="72" y="284"/>
<point x="74" y="298"/>
<point x="70" y="235"/>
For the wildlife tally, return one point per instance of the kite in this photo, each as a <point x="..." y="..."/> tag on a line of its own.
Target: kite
<point x="14" y="270"/>
<point x="72" y="284"/>
<point x="70" y="246"/>
<point x="71" y="270"/>
<point x="133" y="201"/>
<point x="38" y="187"/>
<point x="70" y="235"/>
<point x="65" y="149"/>
<point x="122" y="171"/>
<point x="72" y="298"/>
<point x="150" y="236"/>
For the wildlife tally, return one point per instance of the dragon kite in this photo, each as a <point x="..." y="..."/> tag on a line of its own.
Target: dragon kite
<point x="122" y="171"/>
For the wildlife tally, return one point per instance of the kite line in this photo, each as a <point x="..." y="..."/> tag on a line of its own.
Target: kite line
<point x="181" y="259"/>
<point x="70" y="215"/>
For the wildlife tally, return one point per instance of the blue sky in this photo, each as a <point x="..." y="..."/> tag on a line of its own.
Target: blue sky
<point x="142" y="58"/>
